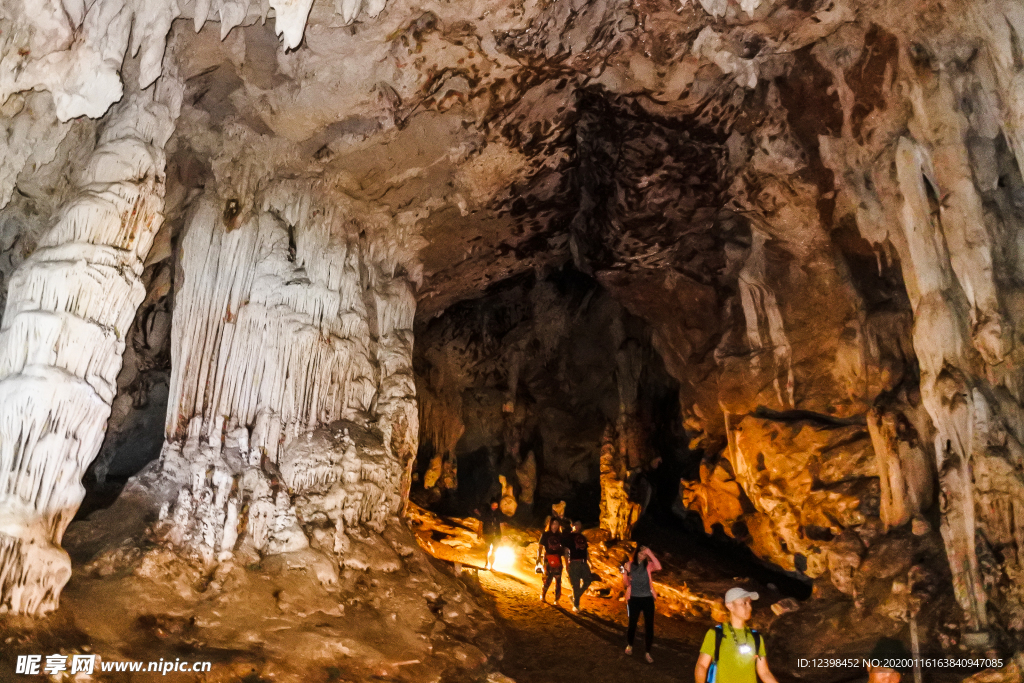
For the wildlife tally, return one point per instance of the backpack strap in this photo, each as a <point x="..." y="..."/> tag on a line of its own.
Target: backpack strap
<point x="719" y="634"/>
<point x="757" y="642"/>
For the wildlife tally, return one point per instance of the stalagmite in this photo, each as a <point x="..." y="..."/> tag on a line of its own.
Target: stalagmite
<point x="69" y="307"/>
<point x="526" y="475"/>
<point x="618" y="513"/>
<point x="508" y="497"/>
<point x="295" y="364"/>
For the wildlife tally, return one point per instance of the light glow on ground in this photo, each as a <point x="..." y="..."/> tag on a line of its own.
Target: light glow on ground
<point x="504" y="557"/>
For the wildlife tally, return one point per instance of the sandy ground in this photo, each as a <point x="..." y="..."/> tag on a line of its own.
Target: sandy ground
<point x="550" y="643"/>
<point x="547" y="642"/>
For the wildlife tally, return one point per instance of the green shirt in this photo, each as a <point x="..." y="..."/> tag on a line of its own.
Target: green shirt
<point x="736" y="663"/>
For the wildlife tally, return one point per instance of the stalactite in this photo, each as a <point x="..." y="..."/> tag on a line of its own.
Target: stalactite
<point x="904" y="470"/>
<point x="943" y="215"/>
<point x="69" y="308"/>
<point x="290" y="336"/>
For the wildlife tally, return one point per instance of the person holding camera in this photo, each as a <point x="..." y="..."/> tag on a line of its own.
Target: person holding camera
<point x="732" y="652"/>
<point x="640" y="596"/>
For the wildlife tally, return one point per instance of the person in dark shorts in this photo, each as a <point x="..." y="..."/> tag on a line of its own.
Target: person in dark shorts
<point x="580" y="576"/>
<point x="640" y="597"/>
<point x="490" y="522"/>
<point x="552" y="547"/>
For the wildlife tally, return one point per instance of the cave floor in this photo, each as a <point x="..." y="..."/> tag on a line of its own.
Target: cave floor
<point x="547" y="642"/>
<point x="550" y="643"/>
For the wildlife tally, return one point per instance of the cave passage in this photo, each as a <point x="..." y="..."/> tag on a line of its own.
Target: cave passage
<point x="519" y="391"/>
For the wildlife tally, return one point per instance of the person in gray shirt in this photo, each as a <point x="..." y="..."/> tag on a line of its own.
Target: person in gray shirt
<point x="640" y="596"/>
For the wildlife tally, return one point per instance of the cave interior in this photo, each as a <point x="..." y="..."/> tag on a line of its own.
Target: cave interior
<point x="292" y="290"/>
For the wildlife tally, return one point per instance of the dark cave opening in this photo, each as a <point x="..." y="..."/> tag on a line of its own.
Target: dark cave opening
<point x="530" y="368"/>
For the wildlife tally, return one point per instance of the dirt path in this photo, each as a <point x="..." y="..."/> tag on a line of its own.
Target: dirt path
<point x="550" y="643"/>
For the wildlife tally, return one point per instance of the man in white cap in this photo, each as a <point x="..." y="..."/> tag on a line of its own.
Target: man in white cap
<point x="733" y="652"/>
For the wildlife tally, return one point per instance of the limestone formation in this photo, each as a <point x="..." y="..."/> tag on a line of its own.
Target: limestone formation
<point x="289" y="350"/>
<point x="618" y="512"/>
<point x="69" y="307"/>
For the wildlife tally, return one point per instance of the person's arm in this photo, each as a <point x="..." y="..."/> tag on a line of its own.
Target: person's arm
<point x="700" y="674"/>
<point x="652" y="562"/>
<point x="763" y="672"/>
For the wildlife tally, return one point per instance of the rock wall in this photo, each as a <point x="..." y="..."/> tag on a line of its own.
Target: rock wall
<point x="854" y="179"/>
<point x="934" y="183"/>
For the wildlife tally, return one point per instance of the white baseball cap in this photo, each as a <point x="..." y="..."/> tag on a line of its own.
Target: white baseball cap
<point x="734" y="594"/>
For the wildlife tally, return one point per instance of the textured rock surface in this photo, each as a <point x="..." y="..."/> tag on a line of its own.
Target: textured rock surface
<point x="524" y="383"/>
<point x="285" y="323"/>
<point x="69" y="306"/>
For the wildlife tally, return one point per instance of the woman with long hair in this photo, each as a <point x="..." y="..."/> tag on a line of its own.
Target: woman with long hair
<point x="640" y="596"/>
<point x="550" y="552"/>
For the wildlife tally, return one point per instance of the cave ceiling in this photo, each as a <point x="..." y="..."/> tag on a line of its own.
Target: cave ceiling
<point x="515" y="136"/>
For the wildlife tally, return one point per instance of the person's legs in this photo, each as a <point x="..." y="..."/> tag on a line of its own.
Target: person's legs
<point x="489" y="562"/>
<point x="633" y="611"/>
<point x="588" y="579"/>
<point x="648" y="608"/>
<point x="576" y="580"/>
<point x="548" y="578"/>
<point x="558" y="584"/>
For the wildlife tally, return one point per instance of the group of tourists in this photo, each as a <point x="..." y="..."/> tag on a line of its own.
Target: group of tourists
<point x="731" y="652"/>
<point x="560" y="541"/>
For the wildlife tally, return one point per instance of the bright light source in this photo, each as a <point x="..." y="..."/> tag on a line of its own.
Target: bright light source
<point x="504" y="557"/>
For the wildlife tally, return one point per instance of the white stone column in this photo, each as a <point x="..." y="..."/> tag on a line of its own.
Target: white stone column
<point x="69" y="307"/>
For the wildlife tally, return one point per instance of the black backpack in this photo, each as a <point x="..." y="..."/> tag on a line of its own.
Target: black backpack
<point x="719" y="634"/>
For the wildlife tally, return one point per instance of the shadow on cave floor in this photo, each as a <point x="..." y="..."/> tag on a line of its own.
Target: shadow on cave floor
<point x="548" y="643"/>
